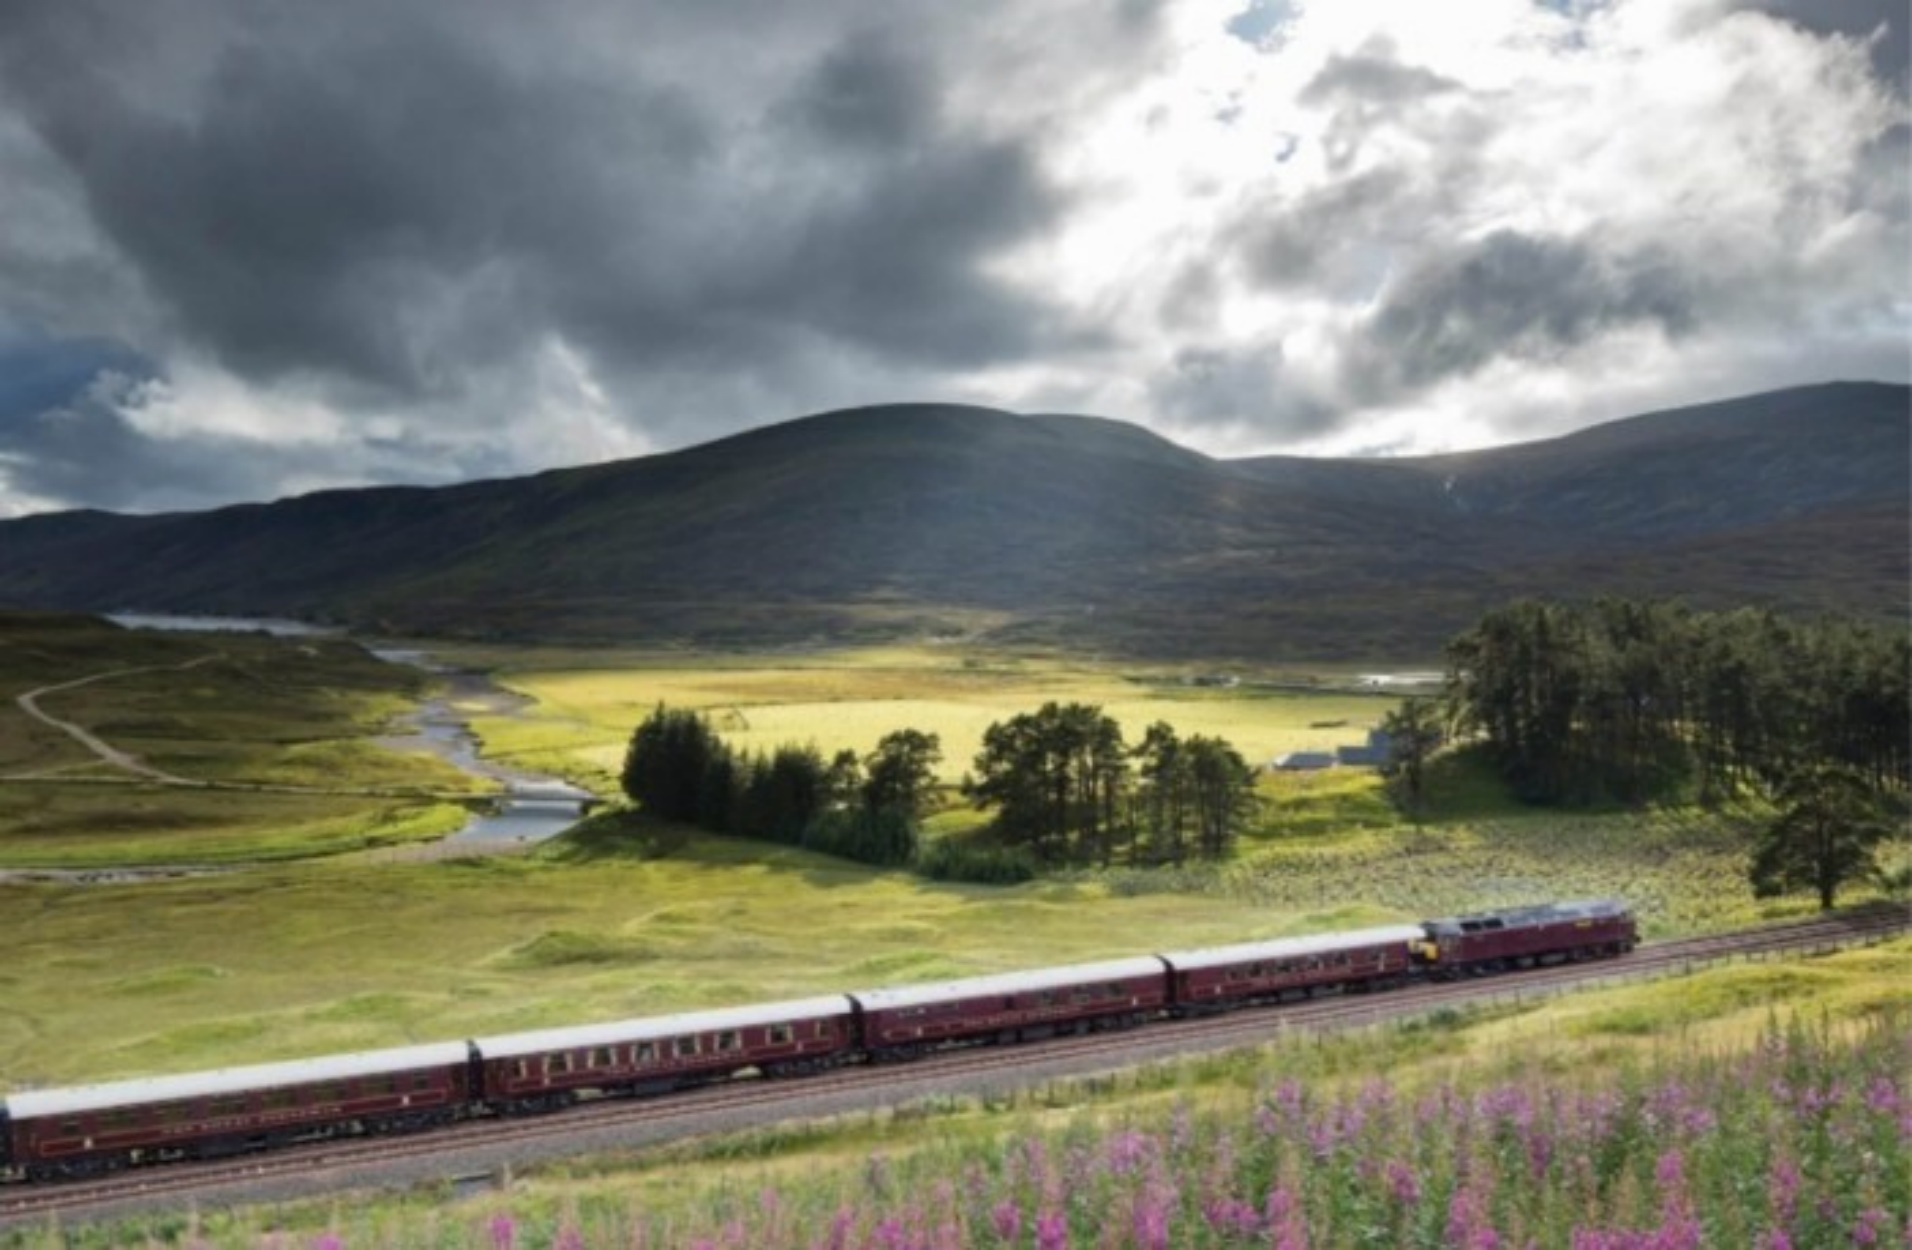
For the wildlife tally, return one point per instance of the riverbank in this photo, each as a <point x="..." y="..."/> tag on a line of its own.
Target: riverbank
<point x="149" y="748"/>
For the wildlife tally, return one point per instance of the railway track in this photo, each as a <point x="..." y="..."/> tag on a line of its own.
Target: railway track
<point x="484" y="1147"/>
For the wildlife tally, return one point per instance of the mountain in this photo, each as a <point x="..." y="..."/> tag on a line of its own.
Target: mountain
<point x="929" y="520"/>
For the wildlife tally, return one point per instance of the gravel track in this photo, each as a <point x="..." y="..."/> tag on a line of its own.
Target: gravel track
<point x="481" y="1150"/>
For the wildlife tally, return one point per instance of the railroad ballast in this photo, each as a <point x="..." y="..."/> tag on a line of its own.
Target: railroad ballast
<point x="90" y="1130"/>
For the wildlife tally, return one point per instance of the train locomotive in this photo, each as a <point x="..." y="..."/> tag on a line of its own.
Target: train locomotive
<point x="91" y="1130"/>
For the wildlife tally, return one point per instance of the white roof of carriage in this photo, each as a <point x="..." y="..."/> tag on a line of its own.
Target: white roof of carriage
<point x="44" y="1103"/>
<point x="650" y="1028"/>
<point x="1294" y="947"/>
<point x="1006" y="983"/>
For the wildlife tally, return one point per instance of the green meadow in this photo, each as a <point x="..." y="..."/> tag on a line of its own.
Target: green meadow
<point x="626" y="918"/>
<point x="288" y="956"/>
<point x="587" y="703"/>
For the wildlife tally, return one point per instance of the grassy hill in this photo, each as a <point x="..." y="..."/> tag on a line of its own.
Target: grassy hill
<point x="926" y="520"/>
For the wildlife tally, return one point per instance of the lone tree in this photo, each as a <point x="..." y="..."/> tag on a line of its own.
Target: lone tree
<point x="1414" y="732"/>
<point x="1829" y="824"/>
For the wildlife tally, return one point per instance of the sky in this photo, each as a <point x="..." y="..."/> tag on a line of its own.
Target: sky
<point x="253" y="248"/>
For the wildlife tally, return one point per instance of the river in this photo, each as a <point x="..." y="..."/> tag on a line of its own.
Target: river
<point x="532" y="807"/>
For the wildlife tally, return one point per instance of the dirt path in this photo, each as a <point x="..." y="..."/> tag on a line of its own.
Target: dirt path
<point x="106" y="751"/>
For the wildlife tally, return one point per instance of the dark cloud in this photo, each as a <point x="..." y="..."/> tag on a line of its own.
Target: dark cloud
<point x="391" y="196"/>
<point x="1510" y="296"/>
<point x="38" y="372"/>
<point x="1237" y="386"/>
<point x="1330" y="235"/>
<point x="86" y="453"/>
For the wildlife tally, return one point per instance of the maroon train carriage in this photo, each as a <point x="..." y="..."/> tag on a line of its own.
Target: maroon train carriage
<point x="98" y="1128"/>
<point x="1521" y="937"/>
<point x="550" y="1068"/>
<point x="1225" y="977"/>
<point x="904" y="1021"/>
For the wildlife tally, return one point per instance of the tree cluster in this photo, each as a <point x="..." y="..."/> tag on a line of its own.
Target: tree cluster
<point x="1066" y="787"/>
<point x="1622" y="700"/>
<point x="866" y="808"/>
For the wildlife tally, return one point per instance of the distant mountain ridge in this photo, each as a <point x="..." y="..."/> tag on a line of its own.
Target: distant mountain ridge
<point x="942" y="520"/>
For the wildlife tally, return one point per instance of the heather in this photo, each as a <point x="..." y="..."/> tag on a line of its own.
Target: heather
<point x="1798" y="1139"/>
<point x="1801" y="1140"/>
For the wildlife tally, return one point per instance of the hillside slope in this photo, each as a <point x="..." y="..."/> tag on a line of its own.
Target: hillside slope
<point x="937" y="519"/>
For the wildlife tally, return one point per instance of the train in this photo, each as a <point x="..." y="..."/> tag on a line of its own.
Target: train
<point x="83" y="1131"/>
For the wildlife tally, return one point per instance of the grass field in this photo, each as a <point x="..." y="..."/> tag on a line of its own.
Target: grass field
<point x="588" y="703"/>
<point x="630" y="918"/>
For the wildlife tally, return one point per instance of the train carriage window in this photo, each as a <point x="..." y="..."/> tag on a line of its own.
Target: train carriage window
<point x="560" y="1063"/>
<point x="729" y="1040"/>
<point x="782" y="1035"/>
<point x="421" y="1081"/>
<point x="647" y="1052"/>
<point x="684" y="1047"/>
<point x="601" y="1057"/>
<point x="521" y="1069"/>
<point x="826" y="1028"/>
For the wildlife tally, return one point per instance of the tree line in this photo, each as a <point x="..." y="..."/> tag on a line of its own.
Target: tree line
<point x="1620" y="700"/>
<point x="867" y="808"/>
<point x="1623" y="700"/>
<point x="1064" y="786"/>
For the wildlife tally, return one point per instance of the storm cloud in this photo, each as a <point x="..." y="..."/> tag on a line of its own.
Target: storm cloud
<point x="254" y="248"/>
